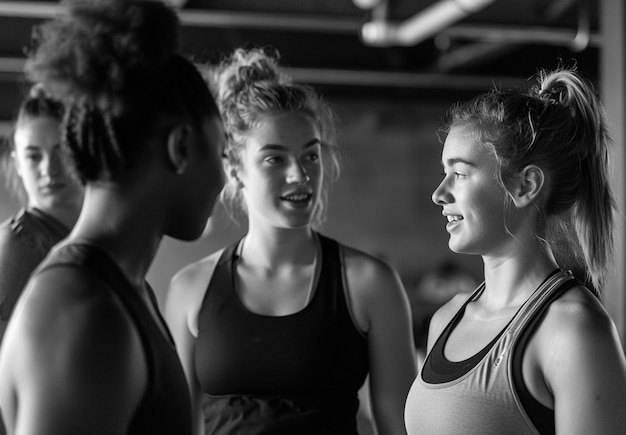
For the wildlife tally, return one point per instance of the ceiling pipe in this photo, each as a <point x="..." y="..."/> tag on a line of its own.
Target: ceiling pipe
<point x="206" y="18"/>
<point x="578" y="39"/>
<point x="518" y="35"/>
<point x="426" y="24"/>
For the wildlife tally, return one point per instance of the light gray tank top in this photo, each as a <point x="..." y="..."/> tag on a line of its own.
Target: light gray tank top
<point x="483" y="401"/>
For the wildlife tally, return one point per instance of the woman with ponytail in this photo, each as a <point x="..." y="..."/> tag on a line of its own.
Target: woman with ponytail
<point x="37" y="173"/>
<point x="278" y="331"/>
<point x="532" y="350"/>
<point x="86" y="350"/>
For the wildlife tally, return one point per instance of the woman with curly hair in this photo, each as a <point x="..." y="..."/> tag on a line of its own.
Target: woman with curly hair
<point x="86" y="351"/>
<point x="531" y="350"/>
<point x="278" y="331"/>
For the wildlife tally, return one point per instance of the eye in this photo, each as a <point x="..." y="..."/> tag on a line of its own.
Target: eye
<point x="458" y="175"/>
<point x="273" y="159"/>
<point x="33" y="157"/>
<point x="314" y="157"/>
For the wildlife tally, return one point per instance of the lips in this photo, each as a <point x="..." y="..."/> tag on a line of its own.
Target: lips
<point x="300" y="197"/>
<point x="454" y="218"/>
<point x="56" y="185"/>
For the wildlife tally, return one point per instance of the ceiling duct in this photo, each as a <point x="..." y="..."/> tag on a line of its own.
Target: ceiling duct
<point x="426" y="24"/>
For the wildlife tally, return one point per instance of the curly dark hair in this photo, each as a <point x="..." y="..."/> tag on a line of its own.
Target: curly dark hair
<point x="115" y="64"/>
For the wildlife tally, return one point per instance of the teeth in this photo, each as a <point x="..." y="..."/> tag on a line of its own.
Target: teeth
<point x="454" y="218"/>
<point x="297" y="197"/>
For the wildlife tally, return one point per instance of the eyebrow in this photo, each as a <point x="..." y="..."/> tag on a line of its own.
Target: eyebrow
<point x="452" y="162"/>
<point x="277" y="147"/>
<point x="33" y="147"/>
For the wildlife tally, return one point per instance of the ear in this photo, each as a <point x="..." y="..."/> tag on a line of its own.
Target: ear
<point x="232" y="172"/>
<point x="178" y="147"/>
<point x="16" y="163"/>
<point x="526" y="187"/>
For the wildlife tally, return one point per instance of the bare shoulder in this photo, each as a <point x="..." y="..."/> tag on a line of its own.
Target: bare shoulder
<point x="187" y="289"/>
<point x="67" y="327"/>
<point x="375" y="290"/>
<point x="196" y="273"/>
<point x="69" y="308"/>
<point x="577" y="318"/>
<point x="367" y="273"/>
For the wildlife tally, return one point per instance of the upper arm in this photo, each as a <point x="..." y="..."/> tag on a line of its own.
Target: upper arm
<point x="72" y="361"/>
<point x="182" y="305"/>
<point x="381" y="306"/>
<point x="585" y="368"/>
<point x="17" y="262"/>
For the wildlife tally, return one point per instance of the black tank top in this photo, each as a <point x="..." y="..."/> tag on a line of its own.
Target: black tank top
<point x="165" y="408"/>
<point x="293" y="374"/>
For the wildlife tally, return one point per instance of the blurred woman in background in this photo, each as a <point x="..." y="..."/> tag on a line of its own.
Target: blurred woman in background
<point x="86" y="351"/>
<point x="531" y="350"/>
<point x="38" y="175"/>
<point x="278" y="331"/>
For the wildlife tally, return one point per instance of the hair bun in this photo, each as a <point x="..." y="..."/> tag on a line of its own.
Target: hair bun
<point x="37" y="91"/>
<point x="100" y="48"/>
<point x="244" y="68"/>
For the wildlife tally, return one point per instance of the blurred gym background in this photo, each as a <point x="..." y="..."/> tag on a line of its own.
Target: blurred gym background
<point x="390" y="69"/>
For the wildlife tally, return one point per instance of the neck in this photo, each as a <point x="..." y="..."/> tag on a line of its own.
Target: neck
<point x="510" y="280"/>
<point x="121" y="224"/>
<point x="275" y="247"/>
<point x="67" y="214"/>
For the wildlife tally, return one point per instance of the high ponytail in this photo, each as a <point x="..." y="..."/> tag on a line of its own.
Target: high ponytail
<point x="592" y="212"/>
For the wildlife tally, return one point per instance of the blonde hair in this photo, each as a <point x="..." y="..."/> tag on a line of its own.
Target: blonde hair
<point x="560" y="126"/>
<point x="249" y="85"/>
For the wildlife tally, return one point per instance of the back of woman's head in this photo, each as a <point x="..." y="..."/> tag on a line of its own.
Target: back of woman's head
<point x="36" y="104"/>
<point x="250" y="86"/>
<point x="115" y="63"/>
<point x="558" y="125"/>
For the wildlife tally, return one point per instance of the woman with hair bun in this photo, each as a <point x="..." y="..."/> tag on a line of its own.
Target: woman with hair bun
<point x="532" y="349"/>
<point x="86" y="351"/>
<point x="278" y="331"/>
<point x="36" y="172"/>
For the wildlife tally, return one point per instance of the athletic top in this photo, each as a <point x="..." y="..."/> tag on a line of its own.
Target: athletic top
<point x="165" y="408"/>
<point x="293" y="374"/>
<point x="482" y="395"/>
<point x="25" y="240"/>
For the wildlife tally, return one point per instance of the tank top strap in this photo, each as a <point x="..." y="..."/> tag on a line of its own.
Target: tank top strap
<point x="222" y="278"/>
<point x="537" y="301"/>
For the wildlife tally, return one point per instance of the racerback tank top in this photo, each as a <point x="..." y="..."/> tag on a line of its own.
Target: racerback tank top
<point x="293" y="374"/>
<point x="166" y="406"/>
<point x="482" y="398"/>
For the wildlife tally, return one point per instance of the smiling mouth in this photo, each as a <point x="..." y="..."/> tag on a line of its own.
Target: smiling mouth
<point x="297" y="197"/>
<point x="454" y="218"/>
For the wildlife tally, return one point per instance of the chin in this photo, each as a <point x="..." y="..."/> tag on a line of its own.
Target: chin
<point x="187" y="232"/>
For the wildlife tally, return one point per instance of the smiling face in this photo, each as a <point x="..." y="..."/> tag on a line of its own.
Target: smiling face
<point x="471" y="196"/>
<point x="38" y="162"/>
<point x="281" y="171"/>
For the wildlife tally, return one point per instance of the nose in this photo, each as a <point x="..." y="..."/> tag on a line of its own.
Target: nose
<point x="441" y="195"/>
<point x="296" y="173"/>
<point x="52" y="164"/>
